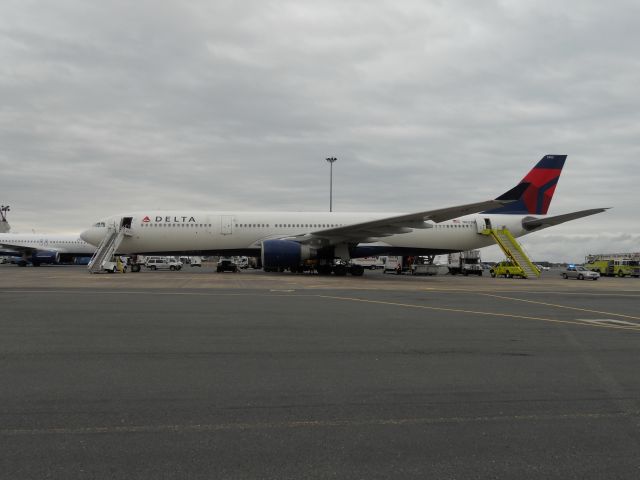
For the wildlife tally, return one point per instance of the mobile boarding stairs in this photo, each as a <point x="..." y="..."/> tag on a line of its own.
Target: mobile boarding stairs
<point x="511" y="248"/>
<point x="102" y="260"/>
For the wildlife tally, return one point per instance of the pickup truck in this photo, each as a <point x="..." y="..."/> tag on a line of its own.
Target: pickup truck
<point x="506" y="269"/>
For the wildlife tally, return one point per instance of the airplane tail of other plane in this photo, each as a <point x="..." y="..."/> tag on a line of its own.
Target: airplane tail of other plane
<point x="536" y="196"/>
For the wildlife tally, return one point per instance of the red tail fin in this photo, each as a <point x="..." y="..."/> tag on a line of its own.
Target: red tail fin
<point x="542" y="180"/>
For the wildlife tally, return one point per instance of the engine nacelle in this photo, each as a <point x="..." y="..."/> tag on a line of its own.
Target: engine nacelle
<point x="285" y="253"/>
<point x="45" y="256"/>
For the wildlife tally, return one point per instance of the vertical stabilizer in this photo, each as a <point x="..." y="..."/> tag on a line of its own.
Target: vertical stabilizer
<point x="542" y="181"/>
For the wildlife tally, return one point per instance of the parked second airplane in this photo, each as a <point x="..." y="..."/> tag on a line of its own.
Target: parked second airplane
<point x="37" y="249"/>
<point x="288" y="239"/>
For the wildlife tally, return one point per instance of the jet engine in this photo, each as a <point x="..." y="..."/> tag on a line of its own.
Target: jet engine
<point x="284" y="254"/>
<point x="45" y="256"/>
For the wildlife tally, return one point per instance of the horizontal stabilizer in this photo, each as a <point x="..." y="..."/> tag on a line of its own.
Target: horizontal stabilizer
<point x="533" y="223"/>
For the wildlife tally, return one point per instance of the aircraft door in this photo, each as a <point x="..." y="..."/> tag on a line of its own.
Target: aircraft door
<point x="483" y="224"/>
<point x="226" y="224"/>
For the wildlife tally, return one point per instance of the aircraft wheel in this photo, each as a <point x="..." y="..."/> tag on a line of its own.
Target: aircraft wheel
<point x="340" y="270"/>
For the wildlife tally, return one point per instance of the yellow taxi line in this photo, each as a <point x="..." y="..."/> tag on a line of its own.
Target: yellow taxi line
<point x="475" y="312"/>
<point x="561" y="306"/>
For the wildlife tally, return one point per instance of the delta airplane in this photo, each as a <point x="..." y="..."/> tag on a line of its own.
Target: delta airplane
<point x="288" y="239"/>
<point x="38" y="249"/>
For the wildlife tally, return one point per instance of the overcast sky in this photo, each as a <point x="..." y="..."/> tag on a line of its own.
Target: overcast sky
<point x="234" y="105"/>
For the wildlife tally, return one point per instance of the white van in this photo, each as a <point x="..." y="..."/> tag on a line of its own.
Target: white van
<point x="393" y="264"/>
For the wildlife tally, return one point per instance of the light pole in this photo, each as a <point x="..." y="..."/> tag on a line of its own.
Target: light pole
<point x="3" y="212"/>
<point x="331" y="160"/>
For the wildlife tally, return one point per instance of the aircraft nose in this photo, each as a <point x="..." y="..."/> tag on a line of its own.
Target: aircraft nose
<point x="90" y="236"/>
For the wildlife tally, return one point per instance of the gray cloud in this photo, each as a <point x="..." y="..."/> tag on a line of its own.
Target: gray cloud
<point x="109" y="106"/>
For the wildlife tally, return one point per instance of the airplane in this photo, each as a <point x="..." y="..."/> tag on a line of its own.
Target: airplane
<point x="285" y="240"/>
<point x="40" y="249"/>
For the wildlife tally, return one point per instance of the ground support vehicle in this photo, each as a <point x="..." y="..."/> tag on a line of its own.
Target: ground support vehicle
<point x="392" y="264"/>
<point x="617" y="264"/>
<point x="163" y="263"/>
<point x="425" y="269"/>
<point x="507" y="269"/>
<point x="580" y="273"/>
<point x="242" y="262"/>
<point x="465" y="263"/>
<point x="369" y="263"/>
<point x="513" y="250"/>
<point x="136" y="262"/>
<point x="191" y="261"/>
<point x="397" y="265"/>
<point x="226" y="265"/>
<point x="114" y="265"/>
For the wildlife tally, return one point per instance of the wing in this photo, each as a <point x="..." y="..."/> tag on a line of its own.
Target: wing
<point x="373" y="230"/>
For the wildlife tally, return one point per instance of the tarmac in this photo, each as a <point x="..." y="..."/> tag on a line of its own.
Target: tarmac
<point x="194" y="374"/>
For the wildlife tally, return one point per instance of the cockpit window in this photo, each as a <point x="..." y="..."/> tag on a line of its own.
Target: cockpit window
<point x="99" y="224"/>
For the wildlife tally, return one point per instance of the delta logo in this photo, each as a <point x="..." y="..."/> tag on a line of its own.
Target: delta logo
<point x="146" y="219"/>
<point x="175" y="219"/>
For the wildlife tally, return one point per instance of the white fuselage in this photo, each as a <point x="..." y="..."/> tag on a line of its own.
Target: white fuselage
<point x="220" y="232"/>
<point x="64" y="244"/>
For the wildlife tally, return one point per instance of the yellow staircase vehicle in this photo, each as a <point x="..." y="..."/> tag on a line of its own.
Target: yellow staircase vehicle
<point x="513" y="250"/>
